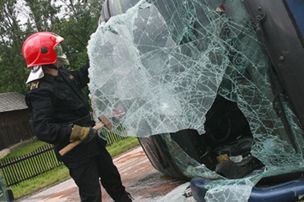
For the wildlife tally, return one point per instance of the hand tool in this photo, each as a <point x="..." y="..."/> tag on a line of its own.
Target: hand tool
<point x="104" y="122"/>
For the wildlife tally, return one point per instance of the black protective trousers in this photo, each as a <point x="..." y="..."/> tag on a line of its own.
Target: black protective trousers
<point x="98" y="169"/>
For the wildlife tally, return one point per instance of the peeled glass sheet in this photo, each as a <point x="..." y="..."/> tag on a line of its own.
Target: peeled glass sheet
<point x="147" y="80"/>
<point x="158" y="68"/>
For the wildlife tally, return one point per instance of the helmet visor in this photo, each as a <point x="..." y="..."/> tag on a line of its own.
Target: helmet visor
<point x="61" y="56"/>
<point x="59" y="51"/>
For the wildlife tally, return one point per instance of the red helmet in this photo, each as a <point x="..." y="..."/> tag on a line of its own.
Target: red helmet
<point x="39" y="49"/>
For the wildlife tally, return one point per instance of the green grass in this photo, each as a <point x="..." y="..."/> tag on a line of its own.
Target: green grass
<point x="122" y="146"/>
<point x="61" y="173"/>
<point x="35" y="184"/>
<point x="25" y="148"/>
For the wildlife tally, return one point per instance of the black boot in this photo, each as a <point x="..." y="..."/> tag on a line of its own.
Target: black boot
<point x="126" y="197"/>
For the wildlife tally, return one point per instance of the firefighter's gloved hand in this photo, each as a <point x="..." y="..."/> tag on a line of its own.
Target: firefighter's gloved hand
<point x="84" y="134"/>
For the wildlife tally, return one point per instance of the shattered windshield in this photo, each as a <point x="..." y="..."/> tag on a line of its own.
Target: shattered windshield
<point x="159" y="67"/>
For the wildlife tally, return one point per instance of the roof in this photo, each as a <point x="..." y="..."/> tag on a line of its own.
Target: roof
<point x="12" y="101"/>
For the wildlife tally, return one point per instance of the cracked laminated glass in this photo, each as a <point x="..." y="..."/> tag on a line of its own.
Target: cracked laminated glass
<point x="159" y="67"/>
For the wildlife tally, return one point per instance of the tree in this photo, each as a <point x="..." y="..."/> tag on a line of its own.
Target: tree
<point x="43" y="13"/>
<point x="11" y="37"/>
<point x="78" y="23"/>
<point x="75" y="20"/>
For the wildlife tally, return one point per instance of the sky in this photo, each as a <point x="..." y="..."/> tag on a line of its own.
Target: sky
<point x="24" y="11"/>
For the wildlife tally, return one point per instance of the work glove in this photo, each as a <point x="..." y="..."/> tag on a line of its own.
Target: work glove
<point x="84" y="134"/>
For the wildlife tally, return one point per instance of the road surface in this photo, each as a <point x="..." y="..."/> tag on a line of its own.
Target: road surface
<point x="140" y="178"/>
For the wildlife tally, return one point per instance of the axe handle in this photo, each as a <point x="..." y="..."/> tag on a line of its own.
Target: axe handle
<point x="72" y="145"/>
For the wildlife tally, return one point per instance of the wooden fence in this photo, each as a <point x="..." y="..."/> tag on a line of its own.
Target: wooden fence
<point x="16" y="170"/>
<point x="112" y="137"/>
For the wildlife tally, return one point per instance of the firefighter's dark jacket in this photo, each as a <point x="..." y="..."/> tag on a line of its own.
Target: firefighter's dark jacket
<point x="57" y="103"/>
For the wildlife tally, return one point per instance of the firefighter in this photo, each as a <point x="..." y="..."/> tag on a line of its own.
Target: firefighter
<point x="61" y="114"/>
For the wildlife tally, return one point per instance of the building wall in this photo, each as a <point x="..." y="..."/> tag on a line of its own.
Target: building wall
<point x="14" y="127"/>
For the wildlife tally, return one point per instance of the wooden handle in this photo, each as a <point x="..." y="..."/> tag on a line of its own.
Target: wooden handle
<point x="98" y="126"/>
<point x="69" y="147"/>
<point x="72" y="145"/>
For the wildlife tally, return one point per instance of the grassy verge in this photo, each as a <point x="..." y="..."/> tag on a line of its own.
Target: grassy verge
<point x="25" y="148"/>
<point x="122" y="146"/>
<point x="61" y="173"/>
<point x="35" y="184"/>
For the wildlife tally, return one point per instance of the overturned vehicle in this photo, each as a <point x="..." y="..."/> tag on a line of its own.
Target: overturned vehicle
<point x="212" y="88"/>
<point x="6" y="194"/>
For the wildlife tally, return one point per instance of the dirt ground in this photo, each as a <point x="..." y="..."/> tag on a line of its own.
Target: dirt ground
<point x="140" y="178"/>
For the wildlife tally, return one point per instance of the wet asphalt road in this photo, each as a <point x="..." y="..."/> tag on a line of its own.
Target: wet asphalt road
<point x="139" y="177"/>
